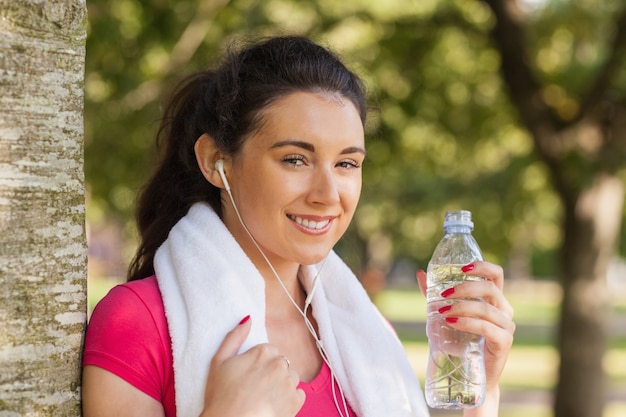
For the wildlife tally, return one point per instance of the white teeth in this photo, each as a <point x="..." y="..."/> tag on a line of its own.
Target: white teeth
<point x="309" y="224"/>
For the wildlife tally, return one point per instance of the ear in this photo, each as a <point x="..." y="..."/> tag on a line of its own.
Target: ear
<point x="206" y="155"/>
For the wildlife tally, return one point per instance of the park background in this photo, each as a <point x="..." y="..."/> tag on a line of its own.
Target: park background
<point x="515" y="110"/>
<point x="445" y="132"/>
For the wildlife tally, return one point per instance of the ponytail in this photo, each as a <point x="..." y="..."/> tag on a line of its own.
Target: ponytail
<point x="177" y="183"/>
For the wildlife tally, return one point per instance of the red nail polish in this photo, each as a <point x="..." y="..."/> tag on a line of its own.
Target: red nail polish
<point x="445" y="308"/>
<point x="245" y="319"/>
<point x="452" y="319"/>
<point x="448" y="292"/>
<point x="468" y="268"/>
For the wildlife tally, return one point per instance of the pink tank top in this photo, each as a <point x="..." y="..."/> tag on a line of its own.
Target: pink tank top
<point x="128" y="336"/>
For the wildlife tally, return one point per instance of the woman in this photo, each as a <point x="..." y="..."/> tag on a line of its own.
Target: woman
<point x="236" y="304"/>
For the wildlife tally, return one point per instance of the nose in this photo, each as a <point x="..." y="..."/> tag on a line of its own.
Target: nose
<point x="324" y="187"/>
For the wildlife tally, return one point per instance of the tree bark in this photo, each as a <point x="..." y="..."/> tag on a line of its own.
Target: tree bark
<point x="43" y="267"/>
<point x="591" y="227"/>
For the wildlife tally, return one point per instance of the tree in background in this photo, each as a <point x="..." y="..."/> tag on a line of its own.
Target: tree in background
<point x="485" y="75"/>
<point x="511" y="109"/>
<point x="574" y="107"/>
<point x="42" y="244"/>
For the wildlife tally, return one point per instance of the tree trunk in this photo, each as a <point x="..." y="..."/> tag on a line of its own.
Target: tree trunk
<point x="42" y="239"/>
<point x="592" y="225"/>
<point x="582" y="155"/>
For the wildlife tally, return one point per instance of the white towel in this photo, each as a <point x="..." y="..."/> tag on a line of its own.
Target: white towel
<point x="208" y="284"/>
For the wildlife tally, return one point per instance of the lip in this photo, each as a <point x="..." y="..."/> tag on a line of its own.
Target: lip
<point x="303" y="223"/>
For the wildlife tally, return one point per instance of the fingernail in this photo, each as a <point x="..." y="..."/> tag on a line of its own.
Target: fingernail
<point x="245" y="319"/>
<point x="452" y="319"/>
<point x="468" y="268"/>
<point x="448" y="292"/>
<point x="445" y="308"/>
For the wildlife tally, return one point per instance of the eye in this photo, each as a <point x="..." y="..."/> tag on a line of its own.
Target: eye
<point x="294" y="160"/>
<point x="349" y="164"/>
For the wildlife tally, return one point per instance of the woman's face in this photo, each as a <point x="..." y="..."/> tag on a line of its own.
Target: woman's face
<point x="297" y="180"/>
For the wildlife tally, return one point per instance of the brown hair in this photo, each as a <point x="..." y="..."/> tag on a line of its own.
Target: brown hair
<point x="226" y="103"/>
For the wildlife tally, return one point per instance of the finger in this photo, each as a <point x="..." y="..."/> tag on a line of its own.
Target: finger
<point x="478" y="310"/>
<point x="491" y="272"/>
<point x="421" y="281"/>
<point x="286" y="361"/>
<point x="283" y="365"/>
<point x="498" y="337"/>
<point x="233" y="341"/>
<point x="293" y="378"/>
<point x="300" y="398"/>
<point x="484" y="290"/>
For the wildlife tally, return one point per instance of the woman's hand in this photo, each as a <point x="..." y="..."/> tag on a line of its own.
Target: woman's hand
<point x="256" y="383"/>
<point x="492" y="319"/>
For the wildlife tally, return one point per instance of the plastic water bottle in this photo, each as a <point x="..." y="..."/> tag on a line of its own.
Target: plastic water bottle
<point x="455" y="376"/>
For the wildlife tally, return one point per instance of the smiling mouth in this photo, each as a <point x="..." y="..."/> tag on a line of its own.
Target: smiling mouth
<point x="309" y="224"/>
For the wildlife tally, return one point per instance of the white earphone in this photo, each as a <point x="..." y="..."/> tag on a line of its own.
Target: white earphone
<point x="219" y="165"/>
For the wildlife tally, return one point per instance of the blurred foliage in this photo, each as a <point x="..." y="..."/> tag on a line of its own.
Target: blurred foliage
<point x="442" y="133"/>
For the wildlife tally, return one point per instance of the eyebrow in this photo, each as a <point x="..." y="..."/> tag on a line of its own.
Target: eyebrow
<point x="309" y="147"/>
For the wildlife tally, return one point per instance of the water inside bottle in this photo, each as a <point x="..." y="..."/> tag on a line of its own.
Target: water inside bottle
<point x="456" y="366"/>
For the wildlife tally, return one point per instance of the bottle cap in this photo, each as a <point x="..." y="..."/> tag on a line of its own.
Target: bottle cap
<point x="461" y="218"/>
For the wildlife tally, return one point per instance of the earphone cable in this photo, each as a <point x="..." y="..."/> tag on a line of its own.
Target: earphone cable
<point x="307" y="322"/>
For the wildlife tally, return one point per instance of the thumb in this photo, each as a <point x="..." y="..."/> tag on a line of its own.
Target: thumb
<point x="421" y="280"/>
<point x="233" y="341"/>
